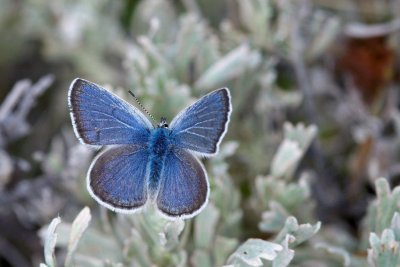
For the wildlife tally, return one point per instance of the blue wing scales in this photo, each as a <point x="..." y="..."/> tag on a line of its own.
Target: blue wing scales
<point x="101" y="118"/>
<point x="183" y="189"/>
<point x="201" y="126"/>
<point x="117" y="178"/>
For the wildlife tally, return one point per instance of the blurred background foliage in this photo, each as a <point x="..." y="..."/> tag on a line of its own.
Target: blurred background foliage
<point x="315" y="124"/>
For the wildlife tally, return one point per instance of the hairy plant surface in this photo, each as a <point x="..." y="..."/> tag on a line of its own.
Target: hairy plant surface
<point x="298" y="178"/>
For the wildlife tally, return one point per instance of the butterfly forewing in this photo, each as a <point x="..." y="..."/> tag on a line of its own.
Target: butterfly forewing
<point x="117" y="178"/>
<point x="101" y="118"/>
<point x="183" y="190"/>
<point x="201" y="126"/>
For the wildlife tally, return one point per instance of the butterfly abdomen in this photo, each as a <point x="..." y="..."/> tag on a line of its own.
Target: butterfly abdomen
<point x="159" y="147"/>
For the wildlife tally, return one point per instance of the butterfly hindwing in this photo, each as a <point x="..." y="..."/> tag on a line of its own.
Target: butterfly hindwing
<point x="117" y="178"/>
<point x="183" y="189"/>
<point x="101" y="118"/>
<point x="201" y="126"/>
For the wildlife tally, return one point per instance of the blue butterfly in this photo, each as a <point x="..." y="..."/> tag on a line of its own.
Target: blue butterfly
<point x="146" y="164"/>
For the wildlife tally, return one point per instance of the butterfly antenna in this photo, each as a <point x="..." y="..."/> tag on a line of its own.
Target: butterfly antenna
<point x="141" y="106"/>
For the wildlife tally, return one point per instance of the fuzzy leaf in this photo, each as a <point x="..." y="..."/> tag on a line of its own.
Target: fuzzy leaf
<point x="293" y="197"/>
<point x="297" y="140"/>
<point x="172" y="230"/>
<point x="395" y="225"/>
<point x="229" y="67"/>
<point x="137" y="248"/>
<point x="255" y="15"/>
<point x="195" y="47"/>
<point x="205" y="226"/>
<point x="273" y="219"/>
<point x="382" y="210"/>
<point x="93" y="244"/>
<point x="286" y="255"/>
<point x="252" y="251"/>
<point x="337" y="251"/>
<point x="225" y="246"/>
<point x="300" y="232"/>
<point x="50" y="242"/>
<point x="286" y="158"/>
<point x="300" y="134"/>
<point x="385" y="250"/>
<point x="78" y="227"/>
<point x="201" y="258"/>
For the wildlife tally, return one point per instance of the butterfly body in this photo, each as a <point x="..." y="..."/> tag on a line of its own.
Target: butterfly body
<point x="145" y="164"/>
<point x="160" y="145"/>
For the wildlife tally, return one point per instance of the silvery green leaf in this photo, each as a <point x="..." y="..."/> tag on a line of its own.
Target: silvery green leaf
<point x="227" y="149"/>
<point x="92" y="244"/>
<point x="201" y="258"/>
<point x="300" y="232"/>
<point x="150" y="222"/>
<point x="231" y="222"/>
<point x="226" y="198"/>
<point x="53" y="163"/>
<point x="153" y="51"/>
<point x="78" y="227"/>
<point x="297" y="140"/>
<point x="90" y="261"/>
<point x="286" y="255"/>
<point x="395" y="225"/>
<point x="137" y="248"/>
<point x="229" y="67"/>
<point x="256" y="15"/>
<point x="205" y="226"/>
<point x="153" y="240"/>
<point x="252" y="251"/>
<point x="387" y="201"/>
<point x="382" y="210"/>
<point x="183" y="259"/>
<point x="224" y="247"/>
<point x="274" y="219"/>
<point x="286" y="158"/>
<point x="305" y="232"/>
<point x="219" y="164"/>
<point x="161" y="11"/>
<point x="50" y="242"/>
<point x="160" y="231"/>
<point x="195" y="48"/>
<point x="295" y="193"/>
<point x="112" y="264"/>
<point x="300" y="133"/>
<point x="170" y="235"/>
<point x="271" y="98"/>
<point x="284" y="24"/>
<point x="294" y="197"/>
<point x="385" y="250"/>
<point x="382" y="188"/>
<point x="336" y="251"/>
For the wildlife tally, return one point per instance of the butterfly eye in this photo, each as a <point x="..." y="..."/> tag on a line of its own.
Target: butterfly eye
<point x="165" y="125"/>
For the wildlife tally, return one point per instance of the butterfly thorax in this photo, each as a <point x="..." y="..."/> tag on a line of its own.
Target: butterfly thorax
<point x="160" y="144"/>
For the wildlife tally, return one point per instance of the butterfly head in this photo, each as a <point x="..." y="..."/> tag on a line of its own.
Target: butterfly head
<point x="163" y="123"/>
